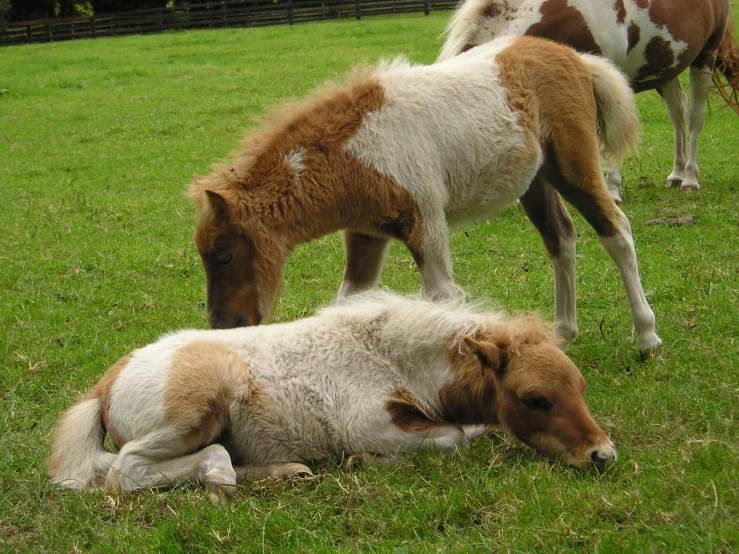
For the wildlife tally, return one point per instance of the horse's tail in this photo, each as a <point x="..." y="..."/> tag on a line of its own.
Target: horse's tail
<point x="461" y="28"/>
<point x="618" y="119"/>
<point x="78" y="459"/>
<point x="727" y="65"/>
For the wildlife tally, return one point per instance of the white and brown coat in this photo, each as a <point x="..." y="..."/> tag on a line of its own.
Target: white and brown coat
<point x="381" y="374"/>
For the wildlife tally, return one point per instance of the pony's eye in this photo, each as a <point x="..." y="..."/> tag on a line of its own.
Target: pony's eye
<point x="537" y="403"/>
<point x="223" y="259"/>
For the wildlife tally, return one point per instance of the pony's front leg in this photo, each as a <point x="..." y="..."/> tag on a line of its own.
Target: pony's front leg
<point x="700" y="86"/>
<point x="364" y="257"/>
<point x="675" y="101"/>
<point x="544" y="207"/>
<point x="434" y="260"/>
<point x="275" y="470"/>
<point x="366" y="459"/>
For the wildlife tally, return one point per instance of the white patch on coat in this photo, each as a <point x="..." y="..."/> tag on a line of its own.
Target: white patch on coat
<point x="295" y="159"/>
<point x="458" y="160"/>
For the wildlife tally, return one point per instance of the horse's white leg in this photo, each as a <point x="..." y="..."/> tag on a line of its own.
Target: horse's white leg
<point x="700" y="85"/>
<point x="136" y="468"/>
<point x="545" y="209"/>
<point x="620" y="247"/>
<point x="277" y="470"/>
<point x="579" y="179"/>
<point x="613" y="182"/>
<point x="675" y="101"/>
<point x="434" y="259"/>
<point x="364" y="257"/>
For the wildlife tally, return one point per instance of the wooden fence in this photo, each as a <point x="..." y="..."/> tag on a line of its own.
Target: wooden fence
<point x="227" y="13"/>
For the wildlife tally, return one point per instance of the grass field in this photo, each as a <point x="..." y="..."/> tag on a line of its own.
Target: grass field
<point x="98" y="141"/>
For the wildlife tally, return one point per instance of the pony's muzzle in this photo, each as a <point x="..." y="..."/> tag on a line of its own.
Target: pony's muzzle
<point x="223" y="320"/>
<point x="602" y="456"/>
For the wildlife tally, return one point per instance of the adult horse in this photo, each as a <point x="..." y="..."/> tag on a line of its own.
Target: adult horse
<point x="374" y="378"/>
<point x="651" y="41"/>
<point x="406" y="151"/>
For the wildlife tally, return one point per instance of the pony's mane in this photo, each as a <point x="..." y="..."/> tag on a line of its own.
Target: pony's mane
<point x="283" y="123"/>
<point x="425" y="323"/>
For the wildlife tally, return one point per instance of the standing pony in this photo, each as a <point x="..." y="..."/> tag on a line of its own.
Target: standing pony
<point x="406" y="151"/>
<point x="651" y="41"/>
<point x="374" y="378"/>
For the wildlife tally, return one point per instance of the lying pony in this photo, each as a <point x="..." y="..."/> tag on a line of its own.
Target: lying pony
<point x="374" y="377"/>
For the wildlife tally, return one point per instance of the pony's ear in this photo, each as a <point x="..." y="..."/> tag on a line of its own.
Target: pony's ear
<point x="492" y="355"/>
<point x="218" y="204"/>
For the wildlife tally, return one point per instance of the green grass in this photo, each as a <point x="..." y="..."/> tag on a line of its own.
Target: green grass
<point x="98" y="141"/>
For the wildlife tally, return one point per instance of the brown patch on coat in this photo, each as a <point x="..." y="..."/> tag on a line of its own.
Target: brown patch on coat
<point x="490" y="10"/>
<point x="552" y="91"/>
<point x="408" y="414"/>
<point x="633" y="34"/>
<point x="256" y="199"/>
<point x="545" y="209"/>
<point x="620" y="11"/>
<point x="701" y="33"/>
<point x="204" y="379"/>
<point x="564" y="24"/>
<point x="660" y="57"/>
<point x="103" y="390"/>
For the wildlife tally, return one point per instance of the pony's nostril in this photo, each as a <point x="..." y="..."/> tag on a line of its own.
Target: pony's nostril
<point x="239" y="322"/>
<point x="601" y="456"/>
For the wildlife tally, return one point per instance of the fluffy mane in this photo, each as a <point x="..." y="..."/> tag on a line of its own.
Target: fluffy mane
<point x="422" y="322"/>
<point x="286" y="128"/>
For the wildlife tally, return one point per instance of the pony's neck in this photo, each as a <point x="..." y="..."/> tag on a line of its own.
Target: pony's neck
<point x="470" y="399"/>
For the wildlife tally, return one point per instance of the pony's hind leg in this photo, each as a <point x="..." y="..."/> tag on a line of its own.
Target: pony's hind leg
<point x="136" y="468"/>
<point x="364" y="257"/>
<point x="613" y="182"/>
<point x="545" y="209"/>
<point x="586" y="191"/>
<point x="675" y="102"/>
<point x="700" y="86"/>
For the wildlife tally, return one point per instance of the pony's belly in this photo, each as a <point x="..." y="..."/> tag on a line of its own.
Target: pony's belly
<point x="492" y="190"/>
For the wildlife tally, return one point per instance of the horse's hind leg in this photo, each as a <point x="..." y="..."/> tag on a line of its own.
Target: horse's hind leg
<point x="613" y="182"/>
<point x="584" y="189"/>
<point x="137" y="468"/>
<point x="675" y="102"/>
<point x="545" y="209"/>
<point x="700" y="86"/>
<point x="364" y="257"/>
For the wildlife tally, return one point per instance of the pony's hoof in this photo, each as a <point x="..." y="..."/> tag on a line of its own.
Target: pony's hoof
<point x="652" y="353"/>
<point x="297" y="471"/>
<point x="673" y="183"/>
<point x="355" y="460"/>
<point x="690" y="188"/>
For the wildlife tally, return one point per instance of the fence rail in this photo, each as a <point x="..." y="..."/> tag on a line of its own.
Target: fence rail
<point x="227" y="13"/>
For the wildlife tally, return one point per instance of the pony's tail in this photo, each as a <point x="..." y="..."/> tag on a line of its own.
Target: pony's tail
<point x="78" y="459"/>
<point x="461" y="28"/>
<point x="618" y="119"/>
<point x="727" y="65"/>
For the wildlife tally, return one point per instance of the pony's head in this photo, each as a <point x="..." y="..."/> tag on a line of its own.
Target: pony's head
<point x="535" y="392"/>
<point x="243" y="259"/>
